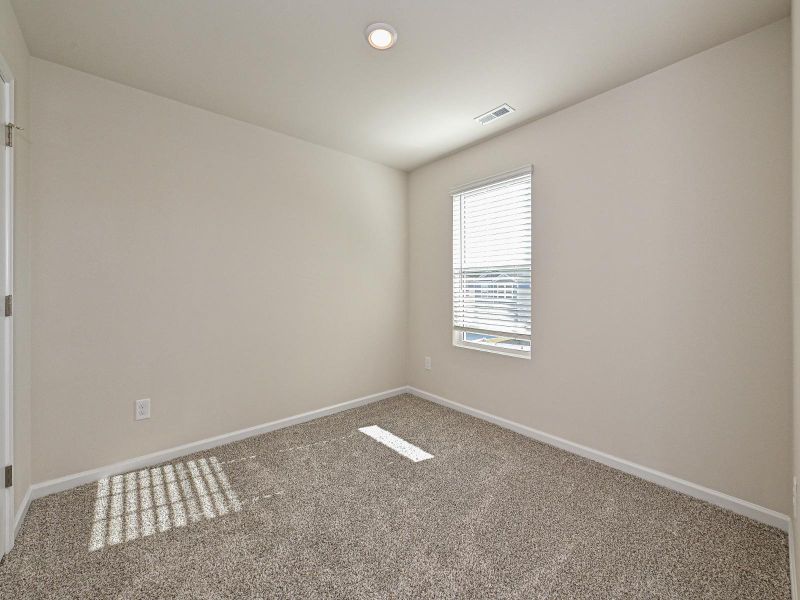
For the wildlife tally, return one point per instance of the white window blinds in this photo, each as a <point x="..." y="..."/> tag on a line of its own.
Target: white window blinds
<point x="492" y="260"/>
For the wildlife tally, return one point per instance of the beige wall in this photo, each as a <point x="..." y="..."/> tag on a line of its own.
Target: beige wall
<point x="15" y="52"/>
<point x="662" y="299"/>
<point x="231" y="274"/>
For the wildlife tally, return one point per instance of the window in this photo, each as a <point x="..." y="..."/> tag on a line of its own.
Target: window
<point x="492" y="264"/>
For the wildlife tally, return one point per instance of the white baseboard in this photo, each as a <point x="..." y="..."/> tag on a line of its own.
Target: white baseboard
<point x="742" y="507"/>
<point x="45" y="488"/>
<point x="737" y="505"/>
<point x="21" y="512"/>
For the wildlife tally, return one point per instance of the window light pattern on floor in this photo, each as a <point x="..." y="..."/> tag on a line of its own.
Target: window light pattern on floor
<point x="397" y="444"/>
<point x="155" y="500"/>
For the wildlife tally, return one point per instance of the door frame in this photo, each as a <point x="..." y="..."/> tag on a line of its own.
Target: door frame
<point x="7" y="387"/>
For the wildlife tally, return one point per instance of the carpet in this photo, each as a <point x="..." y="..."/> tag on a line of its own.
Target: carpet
<point x="322" y="510"/>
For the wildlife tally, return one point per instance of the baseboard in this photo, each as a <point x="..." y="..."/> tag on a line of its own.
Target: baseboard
<point x="20" y="516"/>
<point x="737" y="505"/>
<point x="60" y="484"/>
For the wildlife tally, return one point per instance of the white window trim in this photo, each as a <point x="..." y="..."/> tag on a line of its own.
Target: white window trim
<point x="458" y="332"/>
<point x="459" y="342"/>
<point x="523" y="170"/>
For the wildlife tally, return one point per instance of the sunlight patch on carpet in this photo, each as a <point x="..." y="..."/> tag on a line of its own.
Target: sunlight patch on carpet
<point x="397" y="444"/>
<point x="141" y="503"/>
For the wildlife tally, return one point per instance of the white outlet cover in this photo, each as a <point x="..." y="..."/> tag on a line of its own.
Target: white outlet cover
<point x="142" y="409"/>
<point x="428" y="363"/>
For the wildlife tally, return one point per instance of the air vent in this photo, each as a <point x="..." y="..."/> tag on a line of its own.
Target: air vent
<point x="495" y="113"/>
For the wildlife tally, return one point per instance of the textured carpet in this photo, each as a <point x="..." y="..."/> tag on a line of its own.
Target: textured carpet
<point x="321" y="510"/>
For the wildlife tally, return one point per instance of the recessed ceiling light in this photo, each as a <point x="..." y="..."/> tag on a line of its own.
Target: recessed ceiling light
<point x="381" y="36"/>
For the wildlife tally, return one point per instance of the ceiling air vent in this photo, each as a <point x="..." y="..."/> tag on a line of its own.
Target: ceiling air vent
<point x="495" y="113"/>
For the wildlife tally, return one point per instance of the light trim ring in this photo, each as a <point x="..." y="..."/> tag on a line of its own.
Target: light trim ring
<point x="381" y="36"/>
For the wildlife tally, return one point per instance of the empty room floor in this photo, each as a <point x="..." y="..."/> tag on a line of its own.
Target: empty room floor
<point x="324" y="510"/>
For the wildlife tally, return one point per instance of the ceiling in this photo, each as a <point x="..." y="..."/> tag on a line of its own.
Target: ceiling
<point x="302" y="67"/>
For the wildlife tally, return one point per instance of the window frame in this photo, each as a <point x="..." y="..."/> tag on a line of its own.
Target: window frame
<point x="458" y="332"/>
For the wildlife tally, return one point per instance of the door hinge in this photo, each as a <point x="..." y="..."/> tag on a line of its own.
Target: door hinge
<point x="9" y="476"/>
<point x="10" y="127"/>
<point x="9" y="305"/>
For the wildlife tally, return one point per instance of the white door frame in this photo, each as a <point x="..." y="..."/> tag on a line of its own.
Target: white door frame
<point x="7" y="341"/>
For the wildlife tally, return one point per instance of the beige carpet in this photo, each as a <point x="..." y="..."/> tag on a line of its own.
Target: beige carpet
<point x="321" y="510"/>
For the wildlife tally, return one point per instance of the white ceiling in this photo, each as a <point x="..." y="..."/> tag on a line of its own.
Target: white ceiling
<point x="303" y="67"/>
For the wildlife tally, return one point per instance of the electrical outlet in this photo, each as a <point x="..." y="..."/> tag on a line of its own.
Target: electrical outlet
<point x="427" y="363"/>
<point x="143" y="409"/>
<point x="794" y="496"/>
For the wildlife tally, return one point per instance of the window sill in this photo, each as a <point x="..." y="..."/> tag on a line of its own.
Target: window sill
<point x="504" y="352"/>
